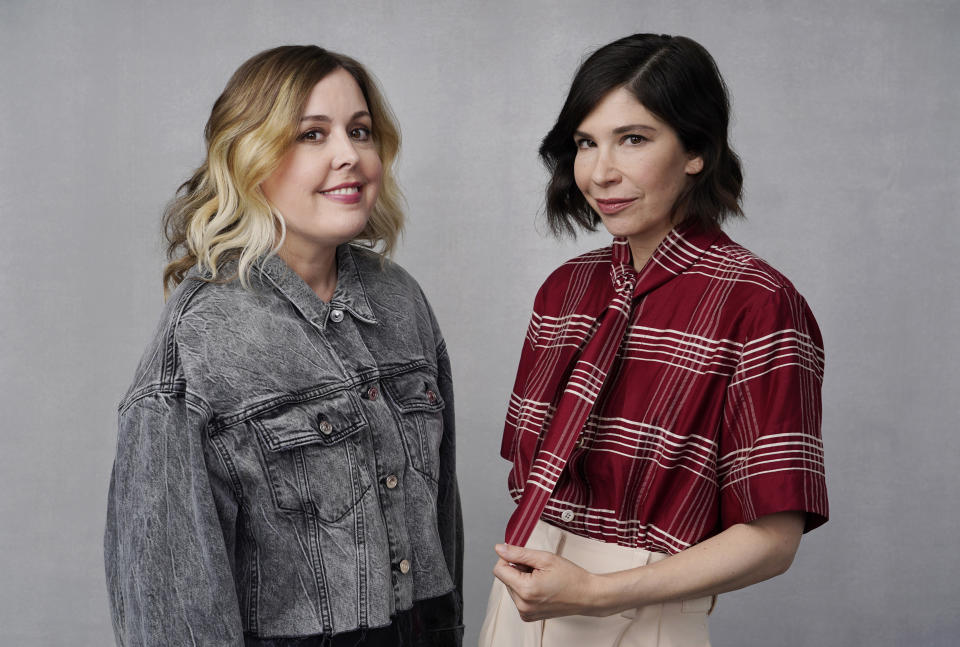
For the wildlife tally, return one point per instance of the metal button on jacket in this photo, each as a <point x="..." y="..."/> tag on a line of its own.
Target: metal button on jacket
<point x="373" y="393"/>
<point x="391" y="482"/>
<point x="404" y="566"/>
<point x="326" y="428"/>
<point x="567" y="515"/>
<point x="431" y="396"/>
<point x="336" y="315"/>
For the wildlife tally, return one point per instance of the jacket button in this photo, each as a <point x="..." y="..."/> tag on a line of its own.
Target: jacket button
<point x="391" y="482"/>
<point x="404" y="566"/>
<point x="373" y="393"/>
<point x="567" y="515"/>
<point x="336" y="315"/>
<point x="326" y="428"/>
<point x="431" y="397"/>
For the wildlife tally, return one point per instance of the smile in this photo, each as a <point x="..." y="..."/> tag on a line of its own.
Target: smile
<point x="343" y="189"/>
<point x="348" y="193"/>
<point x="614" y="205"/>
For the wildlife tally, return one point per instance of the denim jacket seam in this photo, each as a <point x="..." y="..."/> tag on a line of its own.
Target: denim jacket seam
<point x="179" y="387"/>
<point x="235" y="485"/>
<point x="223" y="422"/>
<point x="168" y="368"/>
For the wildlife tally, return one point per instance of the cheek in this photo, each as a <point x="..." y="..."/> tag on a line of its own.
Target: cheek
<point x="664" y="175"/>
<point x="373" y="173"/>
<point x="284" y="181"/>
<point x="581" y="173"/>
<point x="374" y="169"/>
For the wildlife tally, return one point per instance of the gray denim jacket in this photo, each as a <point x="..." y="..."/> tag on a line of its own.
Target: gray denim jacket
<point x="285" y="467"/>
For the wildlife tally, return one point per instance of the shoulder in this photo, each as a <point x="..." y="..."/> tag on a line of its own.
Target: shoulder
<point x="380" y="273"/>
<point x="755" y="280"/>
<point x="767" y="298"/>
<point x="157" y="369"/>
<point x="389" y="285"/>
<point x="393" y="293"/>
<point x="589" y="266"/>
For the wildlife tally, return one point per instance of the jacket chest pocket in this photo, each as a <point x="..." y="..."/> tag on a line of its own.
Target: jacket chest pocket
<point x="417" y="397"/>
<point x="312" y="455"/>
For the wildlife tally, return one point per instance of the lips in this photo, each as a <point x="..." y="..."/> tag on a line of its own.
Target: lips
<point x="610" y="206"/>
<point x="346" y="193"/>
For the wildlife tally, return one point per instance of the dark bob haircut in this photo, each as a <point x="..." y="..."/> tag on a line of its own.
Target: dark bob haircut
<point x="677" y="80"/>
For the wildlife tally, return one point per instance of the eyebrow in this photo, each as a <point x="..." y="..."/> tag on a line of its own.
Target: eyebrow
<point x="620" y="130"/>
<point x="354" y="117"/>
<point x="628" y="128"/>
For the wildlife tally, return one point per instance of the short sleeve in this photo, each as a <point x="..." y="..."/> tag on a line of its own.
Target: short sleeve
<point x="527" y="357"/>
<point x="771" y="452"/>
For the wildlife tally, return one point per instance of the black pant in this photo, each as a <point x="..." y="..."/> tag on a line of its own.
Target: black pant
<point x="412" y="628"/>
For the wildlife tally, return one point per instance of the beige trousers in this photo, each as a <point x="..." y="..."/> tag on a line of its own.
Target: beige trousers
<point x="672" y="624"/>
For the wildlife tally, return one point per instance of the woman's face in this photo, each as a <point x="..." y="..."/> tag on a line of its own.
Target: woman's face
<point x="327" y="183"/>
<point x="631" y="167"/>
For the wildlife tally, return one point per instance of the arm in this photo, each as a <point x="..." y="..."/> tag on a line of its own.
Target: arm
<point x="169" y="577"/>
<point x="741" y="555"/>
<point x="771" y="485"/>
<point x="449" y="514"/>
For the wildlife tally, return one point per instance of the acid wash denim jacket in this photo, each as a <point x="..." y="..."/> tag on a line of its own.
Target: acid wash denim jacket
<point x="285" y="466"/>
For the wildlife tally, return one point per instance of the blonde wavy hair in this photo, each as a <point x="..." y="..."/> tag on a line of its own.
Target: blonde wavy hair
<point x="220" y="214"/>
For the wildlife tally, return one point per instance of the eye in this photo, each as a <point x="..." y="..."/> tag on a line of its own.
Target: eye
<point x="584" y="143"/>
<point x="634" y="140"/>
<point x="312" y="135"/>
<point x="361" y="134"/>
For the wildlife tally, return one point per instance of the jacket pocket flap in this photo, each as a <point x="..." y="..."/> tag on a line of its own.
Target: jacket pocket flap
<point x="415" y="391"/>
<point x="326" y="420"/>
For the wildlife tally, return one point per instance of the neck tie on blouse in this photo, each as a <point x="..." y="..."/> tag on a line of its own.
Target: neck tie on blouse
<point x="577" y="399"/>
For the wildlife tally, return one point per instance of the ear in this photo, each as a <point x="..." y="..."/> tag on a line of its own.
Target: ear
<point x="694" y="165"/>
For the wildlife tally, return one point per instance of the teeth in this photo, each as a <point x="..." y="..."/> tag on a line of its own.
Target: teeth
<point x="344" y="191"/>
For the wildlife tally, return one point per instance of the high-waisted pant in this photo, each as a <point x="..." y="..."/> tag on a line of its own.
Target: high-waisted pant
<point x="671" y="624"/>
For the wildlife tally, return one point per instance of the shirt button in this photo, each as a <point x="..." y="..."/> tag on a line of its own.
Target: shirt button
<point x="336" y="315"/>
<point x="373" y="393"/>
<point x="404" y="566"/>
<point x="567" y="515"/>
<point x="326" y="428"/>
<point x="431" y="397"/>
<point x="391" y="481"/>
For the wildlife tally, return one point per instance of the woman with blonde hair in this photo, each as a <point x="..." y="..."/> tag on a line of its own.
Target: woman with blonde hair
<point x="285" y="462"/>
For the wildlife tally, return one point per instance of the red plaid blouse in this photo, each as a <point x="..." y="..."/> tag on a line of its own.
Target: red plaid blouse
<point x="710" y="414"/>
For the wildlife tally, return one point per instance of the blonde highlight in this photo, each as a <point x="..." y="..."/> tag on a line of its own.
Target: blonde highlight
<point x="220" y="215"/>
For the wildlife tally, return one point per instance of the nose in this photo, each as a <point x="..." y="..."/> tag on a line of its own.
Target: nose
<point x="344" y="151"/>
<point x="605" y="170"/>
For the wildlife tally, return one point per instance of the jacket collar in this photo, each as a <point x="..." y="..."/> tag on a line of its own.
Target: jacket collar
<point x="679" y="250"/>
<point x="350" y="293"/>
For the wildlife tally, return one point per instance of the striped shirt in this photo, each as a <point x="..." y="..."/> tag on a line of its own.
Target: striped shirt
<point x="710" y="414"/>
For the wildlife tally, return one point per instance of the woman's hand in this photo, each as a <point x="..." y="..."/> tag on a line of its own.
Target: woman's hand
<point x="544" y="585"/>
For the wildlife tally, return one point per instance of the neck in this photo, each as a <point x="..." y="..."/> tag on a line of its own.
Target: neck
<point x="318" y="268"/>
<point x="642" y="247"/>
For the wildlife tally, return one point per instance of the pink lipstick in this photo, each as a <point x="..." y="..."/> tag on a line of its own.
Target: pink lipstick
<point x="346" y="193"/>
<point x="614" y="205"/>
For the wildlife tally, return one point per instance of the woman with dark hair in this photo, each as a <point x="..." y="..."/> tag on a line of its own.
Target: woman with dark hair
<point x="284" y="473"/>
<point x="664" y="427"/>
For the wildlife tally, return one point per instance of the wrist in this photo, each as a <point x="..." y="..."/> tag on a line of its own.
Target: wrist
<point x="619" y="591"/>
<point x="606" y="595"/>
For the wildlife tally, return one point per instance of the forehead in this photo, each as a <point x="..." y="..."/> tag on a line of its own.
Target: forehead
<point x="617" y="108"/>
<point x="335" y="95"/>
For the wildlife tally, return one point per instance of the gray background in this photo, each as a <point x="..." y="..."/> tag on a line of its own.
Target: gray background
<point x="846" y="119"/>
